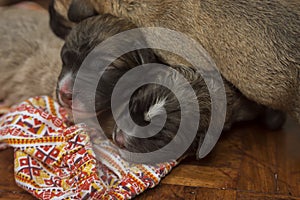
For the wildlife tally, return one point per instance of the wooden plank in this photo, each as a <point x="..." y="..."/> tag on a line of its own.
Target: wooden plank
<point x="169" y="192"/>
<point x="6" y="195"/>
<point x="288" y="160"/>
<point x="202" y="176"/>
<point x="8" y="188"/>
<point x="260" y="196"/>
<point x="271" y="161"/>
<point x="258" y="168"/>
<point x="7" y="171"/>
<point x="176" y="192"/>
<point x="226" y="154"/>
<point x="215" y="194"/>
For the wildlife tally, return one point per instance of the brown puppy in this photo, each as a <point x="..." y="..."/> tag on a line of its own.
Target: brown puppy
<point x="147" y="101"/>
<point x="254" y="44"/>
<point x="29" y="55"/>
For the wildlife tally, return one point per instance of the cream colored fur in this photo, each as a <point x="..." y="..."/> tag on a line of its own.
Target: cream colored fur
<point x="29" y="55"/>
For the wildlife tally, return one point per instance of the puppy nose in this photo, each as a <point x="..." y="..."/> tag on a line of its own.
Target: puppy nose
<point x="64" y="91"/>
<point x="66" y="97"/>
<point x="119" y="138"/>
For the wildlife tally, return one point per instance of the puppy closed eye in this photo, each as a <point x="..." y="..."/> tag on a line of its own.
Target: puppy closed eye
<point x="69" y="58"/>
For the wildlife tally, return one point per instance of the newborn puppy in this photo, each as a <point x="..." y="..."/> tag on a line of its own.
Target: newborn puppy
<point x="29" y="55"/>
<point x="147" y="101"/>
<point x="255" y="44"/>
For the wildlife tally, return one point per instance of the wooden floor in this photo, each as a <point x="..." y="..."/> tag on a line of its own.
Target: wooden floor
<point x="249" y="162"/>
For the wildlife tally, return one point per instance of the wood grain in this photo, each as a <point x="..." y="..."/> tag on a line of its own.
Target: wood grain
<point x="201" y="176"/>
<point x="249" y="162"/>
<point x="261" y="196"/>
<point x="8" y="188"/>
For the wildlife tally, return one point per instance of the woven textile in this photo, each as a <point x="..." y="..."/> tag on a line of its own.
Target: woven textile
<point x="54" y="161"/>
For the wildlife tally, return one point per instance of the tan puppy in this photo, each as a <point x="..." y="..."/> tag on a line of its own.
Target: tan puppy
<point x="29" y="55"/>
<point x="255" y="44"/>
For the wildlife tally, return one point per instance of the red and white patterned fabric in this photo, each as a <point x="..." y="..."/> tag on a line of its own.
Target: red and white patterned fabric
<point x="54" y="161"/>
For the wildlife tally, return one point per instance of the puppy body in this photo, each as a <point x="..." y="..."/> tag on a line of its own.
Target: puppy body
<point x="254" y="44"/>
<point x="29" y="51"/>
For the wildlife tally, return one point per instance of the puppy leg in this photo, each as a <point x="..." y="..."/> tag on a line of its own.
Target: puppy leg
<point x="273" y="119"/>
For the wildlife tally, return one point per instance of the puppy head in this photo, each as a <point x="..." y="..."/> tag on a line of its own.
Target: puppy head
<point x="83" y="38"/>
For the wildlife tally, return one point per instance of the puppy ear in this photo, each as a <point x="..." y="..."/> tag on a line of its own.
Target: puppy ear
<point x="80" y="10"/>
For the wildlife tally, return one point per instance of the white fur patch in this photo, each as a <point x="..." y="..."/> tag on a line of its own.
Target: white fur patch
<point x="65" y="79"/>
<point x="61" y="84"/>
<point x="156" y="109"/>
